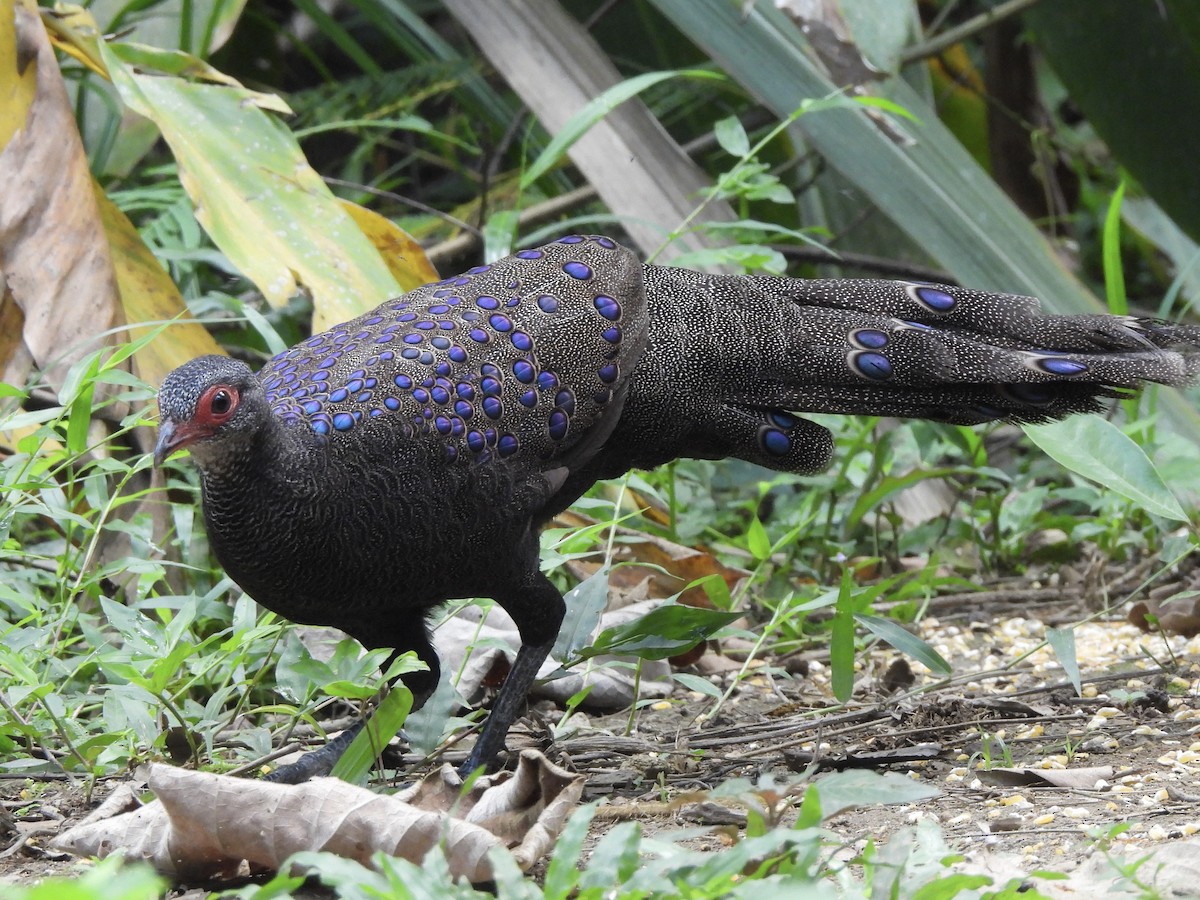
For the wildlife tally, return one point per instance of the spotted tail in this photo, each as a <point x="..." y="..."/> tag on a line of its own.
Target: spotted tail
<point x="739" y="358"/>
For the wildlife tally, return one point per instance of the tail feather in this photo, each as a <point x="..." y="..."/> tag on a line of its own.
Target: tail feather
<point x="734" y="361"/>
<point x="879" y="346"/>
<point x="825" y="347"/>
<point x="1005" y="319"/>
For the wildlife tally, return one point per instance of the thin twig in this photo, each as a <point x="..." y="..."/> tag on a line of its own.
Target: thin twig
<point x="959" y="33"/>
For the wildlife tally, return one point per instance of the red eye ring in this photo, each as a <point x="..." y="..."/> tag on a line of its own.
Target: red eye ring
<point x="217" y="404"/>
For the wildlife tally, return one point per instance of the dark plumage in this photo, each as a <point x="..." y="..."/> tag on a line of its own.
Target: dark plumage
<point x="409" y="456"/>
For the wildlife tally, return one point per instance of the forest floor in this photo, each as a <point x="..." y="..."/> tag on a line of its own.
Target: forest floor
<point x="1030" y="776"/>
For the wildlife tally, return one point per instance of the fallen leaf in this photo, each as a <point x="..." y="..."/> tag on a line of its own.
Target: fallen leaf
<point x="1176" y="615"/>
<point x="1083" y="779"/>
<point x="205" y="826"/>
<point x="497" y="640"/>
<point x="671" y="567"/>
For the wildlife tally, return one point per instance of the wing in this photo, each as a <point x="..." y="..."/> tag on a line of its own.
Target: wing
<point x="524" y="362"/>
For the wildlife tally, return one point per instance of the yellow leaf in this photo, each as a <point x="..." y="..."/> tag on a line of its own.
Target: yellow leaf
<point x="401" y="253"/>
<point x="255" y="193"/>
<point x="148" y="295"/>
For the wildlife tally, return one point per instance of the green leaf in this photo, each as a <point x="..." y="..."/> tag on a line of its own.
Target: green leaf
<point x="356" y="762"/>
<point x="809" y="815"/>
<point x="350" y="690"/>
<point x="1114" y="272"/>
<point x="892" y="484"/>
<point x="949" y="886"/>
<point x="697" y="683"/>
<point x="716" y="588"/>
<point x="596" y="110"/>
<point x="114" y="878"/>
<point x="666" y="631"/>
<point x="562" y="873"/>
<point x="1144" y="107"/>
<point x="862" y="787"/>
<point x="255" y="193"/>
<point x="80" y="419"/>
<point x="757" y="541"/>
<point x="732" y="136"/>
<point x="905" y="641"/>
<point x="585" y="603"/>
<point x="841" y="640"/>
<point x="1099" y="451"/>
<point x="1062" y="642"/>
<point x="499" y="232"/>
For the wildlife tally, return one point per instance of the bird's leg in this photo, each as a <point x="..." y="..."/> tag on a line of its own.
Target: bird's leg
<point x="538" y="609"/>
<point x="422" y="684"/>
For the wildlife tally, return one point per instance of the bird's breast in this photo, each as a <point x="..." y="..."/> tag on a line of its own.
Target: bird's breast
<point x="356" y="532"/>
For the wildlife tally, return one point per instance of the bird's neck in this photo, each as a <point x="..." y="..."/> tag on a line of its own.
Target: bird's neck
<point x="246" y="456"/>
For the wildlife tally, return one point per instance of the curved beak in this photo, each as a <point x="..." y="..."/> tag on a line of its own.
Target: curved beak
<point x="170" y="439"/>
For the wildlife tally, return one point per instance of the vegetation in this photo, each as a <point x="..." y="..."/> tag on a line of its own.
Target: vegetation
<point x="286" y="165"/>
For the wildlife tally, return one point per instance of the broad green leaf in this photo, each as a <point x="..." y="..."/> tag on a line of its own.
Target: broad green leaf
<point x="862" y="787"/>
<point x="255" y="193"/>
<point x="757" y="541"/>
<point x="905" y="641"/>
<point x="350" y="690"/>
<point x="893" y="484"/>
<point x="1099" y="451"/>
<point x="562" y="872"/>
<point x="697" y="683"/>
<point x="666" y="631"/>
<point x="585" y="603"/>
<point x="809" y="815"/>
<point x="114" y="878"/>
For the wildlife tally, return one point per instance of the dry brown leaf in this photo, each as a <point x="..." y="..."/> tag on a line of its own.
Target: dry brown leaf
<point x="1176" y="615"/>
<point x="205" y="826"/>
<point x="476" y="650"/>
<point x="832" y="41"/>
<point x="53" y="253"/>
<point x="681" y="565"/>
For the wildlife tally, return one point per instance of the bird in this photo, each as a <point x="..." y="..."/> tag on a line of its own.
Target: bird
<point x="408" y="457"/>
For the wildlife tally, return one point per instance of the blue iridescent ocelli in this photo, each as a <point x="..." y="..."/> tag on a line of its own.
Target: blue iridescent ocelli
<point x="608" y="307"/>
<point x="774" y="441"/>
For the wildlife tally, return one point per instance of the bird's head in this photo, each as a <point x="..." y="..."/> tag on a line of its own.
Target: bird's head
<point x="209" y="404"/>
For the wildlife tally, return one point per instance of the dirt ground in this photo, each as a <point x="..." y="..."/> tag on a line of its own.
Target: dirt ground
<point x="1026" y="769"/>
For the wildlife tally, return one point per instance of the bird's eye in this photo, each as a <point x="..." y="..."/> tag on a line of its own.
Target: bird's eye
<point x="217" y="404"/>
